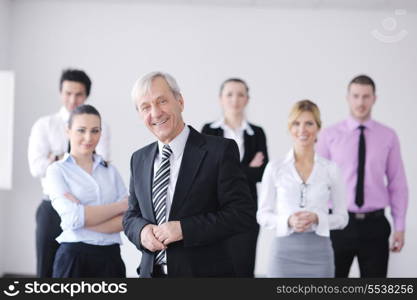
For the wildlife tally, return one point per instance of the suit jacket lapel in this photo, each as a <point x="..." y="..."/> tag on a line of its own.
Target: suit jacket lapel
<point x="248" y="141"/>
<point x="192" y="158"/>
<point x="146" y="177"/>
<point x="219" y="131"/>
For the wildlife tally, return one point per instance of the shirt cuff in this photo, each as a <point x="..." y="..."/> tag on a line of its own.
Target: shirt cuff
<point x="322" y="227"/>
<point x="75" y="220"/>
<point x="282" y="225"/>
<point x="399" y="225"/>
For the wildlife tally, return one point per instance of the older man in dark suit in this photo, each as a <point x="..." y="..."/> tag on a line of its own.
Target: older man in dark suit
<point x="188" y="193"/>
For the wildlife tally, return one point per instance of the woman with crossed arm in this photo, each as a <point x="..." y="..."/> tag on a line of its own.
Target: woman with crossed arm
<point x="251" y="141"/>
<point x="90" y="197"/>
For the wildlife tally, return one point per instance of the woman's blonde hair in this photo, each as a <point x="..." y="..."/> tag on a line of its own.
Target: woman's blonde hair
<point x="302" y="106"/>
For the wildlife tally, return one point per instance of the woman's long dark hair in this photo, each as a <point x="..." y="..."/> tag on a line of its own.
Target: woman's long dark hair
<point x="81" y="110"/>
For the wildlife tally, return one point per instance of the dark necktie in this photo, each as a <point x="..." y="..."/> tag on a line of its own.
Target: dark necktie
<point x="159" y="194"/>
<point x="361" y="169"/>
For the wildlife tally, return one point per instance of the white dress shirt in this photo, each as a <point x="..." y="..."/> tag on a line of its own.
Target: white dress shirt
<point x="48" y="136"/>
<point x="103" y="186"/>
<point x="284" y="193"/>
<point x="235" y="134"/>
<point x="177" y="146"/>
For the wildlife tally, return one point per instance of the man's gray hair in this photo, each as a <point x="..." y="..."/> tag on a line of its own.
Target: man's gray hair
<point x="143" y="84"/>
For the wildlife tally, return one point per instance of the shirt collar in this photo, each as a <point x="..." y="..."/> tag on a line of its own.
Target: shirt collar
<point x="97" y="160"/>
<point x="222" y="124"/>
<point x="177" y="145"/>
<point x="290" y="158"/>
<point x="353" y="124"/>
<point x="64" y="114"/>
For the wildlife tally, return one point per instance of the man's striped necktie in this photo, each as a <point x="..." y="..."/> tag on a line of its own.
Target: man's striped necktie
<point x="159" y="194"/>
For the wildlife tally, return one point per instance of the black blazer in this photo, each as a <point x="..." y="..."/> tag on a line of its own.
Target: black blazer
<point x="211" y="200"/>
<point x="253" y="144"/>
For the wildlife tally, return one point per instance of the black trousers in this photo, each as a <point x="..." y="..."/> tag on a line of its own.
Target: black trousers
<point x="81" y="260"/>
<point x="47" y="230"/>
<point x="368" y="239"/>
<point x="242" y="249"/>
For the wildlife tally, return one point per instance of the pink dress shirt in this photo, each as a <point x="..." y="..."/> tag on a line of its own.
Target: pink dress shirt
<point x="385" y="181"/>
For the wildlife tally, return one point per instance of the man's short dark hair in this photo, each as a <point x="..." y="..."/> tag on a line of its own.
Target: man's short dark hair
<point x="78" y="76"/>
<point x="363" y="79"/>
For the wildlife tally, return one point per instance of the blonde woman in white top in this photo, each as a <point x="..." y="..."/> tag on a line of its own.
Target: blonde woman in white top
<point x="294" y="201"/>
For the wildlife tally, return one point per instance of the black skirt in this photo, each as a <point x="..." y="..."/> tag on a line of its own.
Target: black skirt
<point x="81" y="260"/>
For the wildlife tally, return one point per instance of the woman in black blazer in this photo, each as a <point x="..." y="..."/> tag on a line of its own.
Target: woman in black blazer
<point x="251" y="140"/>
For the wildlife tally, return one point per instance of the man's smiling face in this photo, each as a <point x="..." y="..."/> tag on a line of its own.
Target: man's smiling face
<point x="161" y="111"/>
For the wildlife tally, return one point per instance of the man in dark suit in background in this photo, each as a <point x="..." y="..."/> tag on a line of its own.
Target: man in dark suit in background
<point x="188" y="193"/>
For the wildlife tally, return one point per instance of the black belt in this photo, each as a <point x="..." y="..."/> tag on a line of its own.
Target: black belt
<point x="367" y="215"/>
<point x="113" y="249"/>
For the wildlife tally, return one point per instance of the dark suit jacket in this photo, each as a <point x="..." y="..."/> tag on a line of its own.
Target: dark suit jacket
<point x="211" y="200"/>
<point x="253" y="143"/>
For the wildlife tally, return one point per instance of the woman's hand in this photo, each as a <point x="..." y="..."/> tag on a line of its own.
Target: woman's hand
<point x="301" y="221"/>
<point x="257" y="160"/>
<point x="72" y="198"/>
<point x="53" y="157"/>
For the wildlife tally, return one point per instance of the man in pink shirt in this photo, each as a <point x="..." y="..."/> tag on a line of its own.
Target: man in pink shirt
<point x="368" y="154"/>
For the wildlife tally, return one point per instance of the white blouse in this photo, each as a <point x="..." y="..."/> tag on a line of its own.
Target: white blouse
<point x="283" y="193"/>
<point x="103" y="186"/>
<point x="235" y="134"/>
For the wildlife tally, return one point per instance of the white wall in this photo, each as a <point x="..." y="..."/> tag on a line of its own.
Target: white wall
<point x="4" y="32"/>
<point x="6" y="124"/>
<point x="284" y="54"/>
<point x="4" y="65"/>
